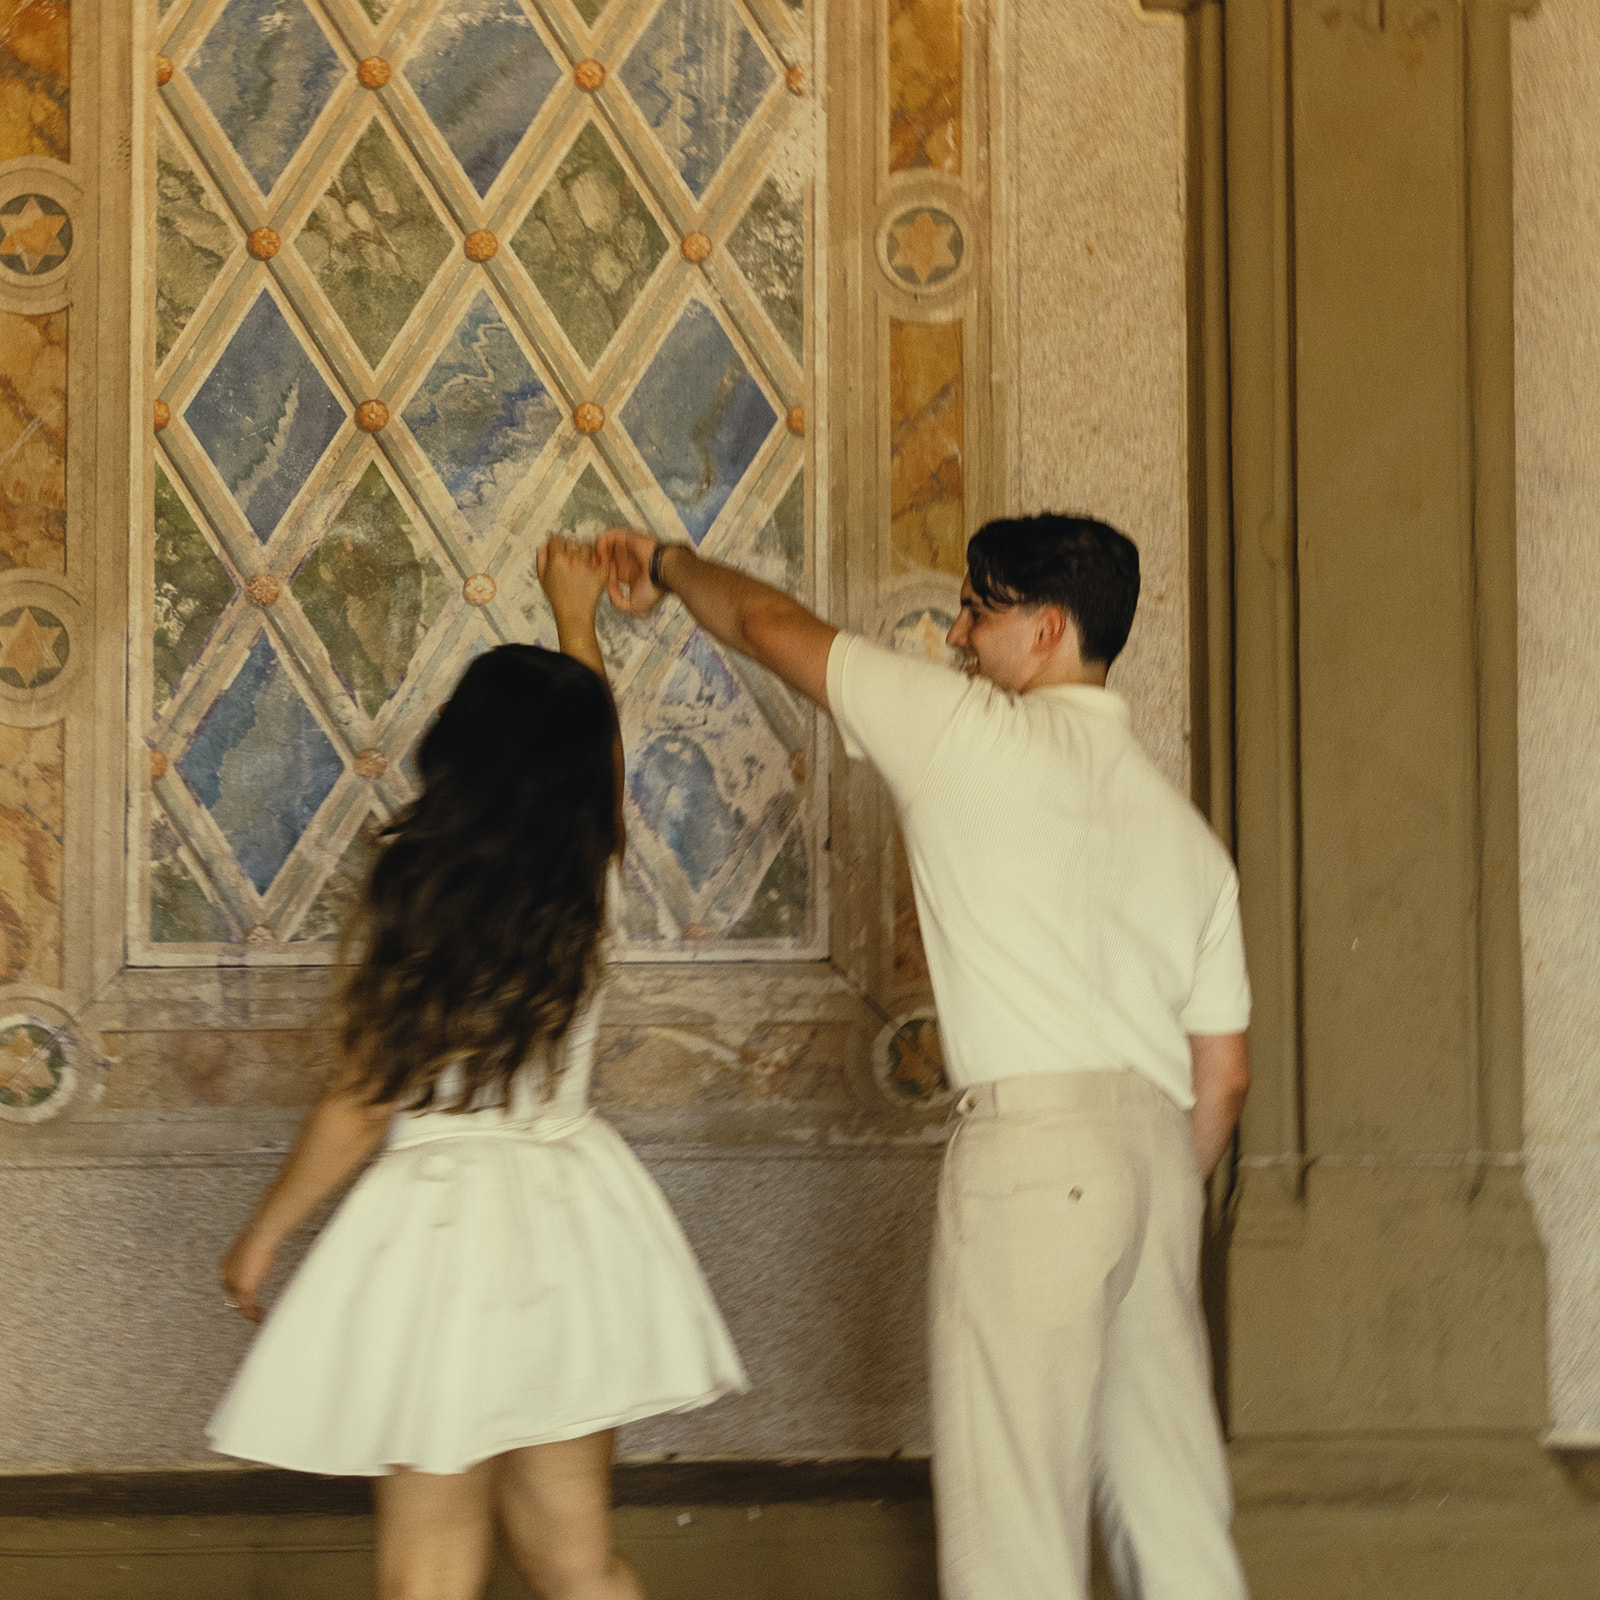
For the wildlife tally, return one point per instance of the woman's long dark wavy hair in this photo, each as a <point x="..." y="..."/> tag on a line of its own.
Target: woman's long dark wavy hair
<point x="480" y="929"/>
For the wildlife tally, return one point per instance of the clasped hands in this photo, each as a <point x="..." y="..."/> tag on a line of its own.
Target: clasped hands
<point x="574" y="573"/>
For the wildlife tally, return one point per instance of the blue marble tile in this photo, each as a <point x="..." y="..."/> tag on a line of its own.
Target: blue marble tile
<point x="698" y="418"/>
<point x="264" y="416"/>
<point x="261" y="765"/>
<point x="266" y="69"/>
<point x="481" y="416"/>
<point x="675" y="786"/>
<point x="698" y="76"/>
<point x="482" y="72"/>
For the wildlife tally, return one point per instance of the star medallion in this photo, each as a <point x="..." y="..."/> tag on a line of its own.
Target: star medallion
<point x="32" y="649"/>
<point x="26" y="1066"/>
<point x="35" y="239"/>
<point x="925" y="247"/>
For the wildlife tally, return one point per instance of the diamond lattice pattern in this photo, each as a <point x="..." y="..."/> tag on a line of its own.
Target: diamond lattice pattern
<point x="381" y="299"/>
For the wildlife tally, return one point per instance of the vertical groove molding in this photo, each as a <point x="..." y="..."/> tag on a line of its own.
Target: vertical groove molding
<point x="1266" y="664"/>
<point x="1498" y="1085"/>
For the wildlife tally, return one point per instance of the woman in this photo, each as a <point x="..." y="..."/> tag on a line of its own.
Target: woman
<point x="505" y="1285"/>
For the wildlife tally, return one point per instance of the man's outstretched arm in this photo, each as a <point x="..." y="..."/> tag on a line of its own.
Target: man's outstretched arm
<point x="739" y="611"/>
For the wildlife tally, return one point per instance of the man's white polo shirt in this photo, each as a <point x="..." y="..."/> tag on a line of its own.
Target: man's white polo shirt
<point x="1077" y="912"/>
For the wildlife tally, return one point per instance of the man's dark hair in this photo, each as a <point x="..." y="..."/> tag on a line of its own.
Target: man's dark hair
<point x="1086" y="567"/>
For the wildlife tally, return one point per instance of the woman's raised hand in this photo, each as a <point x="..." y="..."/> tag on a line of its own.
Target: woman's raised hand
<point x="573" y="575"/>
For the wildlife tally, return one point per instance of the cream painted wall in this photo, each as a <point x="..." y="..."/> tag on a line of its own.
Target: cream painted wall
<point x="1556" y="66"/>
<point x="1094" y="93"/>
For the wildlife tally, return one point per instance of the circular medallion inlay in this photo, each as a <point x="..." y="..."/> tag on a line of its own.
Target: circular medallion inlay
<point x="264" y="243"/>
<point x="922" y="633"/>
<point x="373" y="72"/>
<point x="589" y="418"/>
<point x="158" y="764"/>
<point x="35" y="234"/>
<point x="36" y="1068"/>
<point x="480" y="245"/>
<point x="908" y="1064"/>
<point x="795" y="77"/>
<point x="163" y="415"/>
<point x="372" y="416"/>
<point x="34" y="647"/>
<point x="589" y="75"/>
<point x="796" y="420"/>
<point x="923" y="247"/>
<point x="696" y="247"/>
<point x="264" y="589"/>
<point x="478" y="590"/>
<point x="163" y="70"/>
<point x="371" y="763"/>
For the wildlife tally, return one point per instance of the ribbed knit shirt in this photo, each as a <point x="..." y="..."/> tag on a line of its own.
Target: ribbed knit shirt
<point x="1077" y="912"/>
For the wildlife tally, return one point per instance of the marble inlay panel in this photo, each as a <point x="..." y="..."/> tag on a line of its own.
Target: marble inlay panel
<point x="337" y="897"/>
<point x="374" y="242"/>
<point x="482" y="72"/>
<point x="698" y="76"/>
<point x="589" y="10"/>
<point x="35" y="73"/>
<point x="266" y="69"/>
<point x="683" y="1066"/>
<point x="191" y="590"/>
<point x="32" y="783"/>
<point x="33" y="440"/>
<point x="195" y="1070"/>
<point x="709" y="769"/>
<point x="927" y="439"/>
<point x="371" y="590"/>
<point x="264" y="416"/>
<point x="261" y="765"/>
<point x="925" y="85"/>
<point x="482" y="415"/>
<point x="377" y="10"/>
<point x="777" y="910"/>
<point x="778" y="556"/>
<point x="769" y="245"/>
<point x="193" y="240"/>
<point x="590" y="244"/>
<point x="180" y="910"/>
<point x="698" y="418"/>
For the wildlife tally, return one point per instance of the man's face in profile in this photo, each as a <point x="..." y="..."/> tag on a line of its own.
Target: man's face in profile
<point x="997" y="641"/>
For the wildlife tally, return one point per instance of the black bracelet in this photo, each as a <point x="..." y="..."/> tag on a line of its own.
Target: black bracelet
<point x="659" y="582"/>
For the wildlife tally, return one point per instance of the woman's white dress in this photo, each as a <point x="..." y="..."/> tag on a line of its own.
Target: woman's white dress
<point x="496" y="1278"/>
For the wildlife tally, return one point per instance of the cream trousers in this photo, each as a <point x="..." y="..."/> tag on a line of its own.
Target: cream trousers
<point x="1069" y="1358"/>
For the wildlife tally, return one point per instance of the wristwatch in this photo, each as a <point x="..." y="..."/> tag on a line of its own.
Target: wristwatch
<point x="660" y="583"/>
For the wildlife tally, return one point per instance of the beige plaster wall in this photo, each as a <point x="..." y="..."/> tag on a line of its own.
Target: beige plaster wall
<point x="1556" y="67"/>
<point x="1095" y="133"/>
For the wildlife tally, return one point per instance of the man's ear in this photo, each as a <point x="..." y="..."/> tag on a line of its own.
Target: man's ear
<point x="1050" y="627"/>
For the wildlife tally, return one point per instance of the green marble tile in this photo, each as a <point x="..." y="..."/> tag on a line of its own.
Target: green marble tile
<point x="770" y="246"/>
<point x="377" y="10"/>
<point x="589" y="10"/>
<point x="371" y="590"/>
<point x="778" y="556"/>
<point x="193" y="240"/>
<point x="777" y="909"/>
<point x="180" y="911"/>
<point x="339" y="893"/>
<point x="590" y="244"/>
<point x="373" y="242"/>
<point x="190" y="589"/>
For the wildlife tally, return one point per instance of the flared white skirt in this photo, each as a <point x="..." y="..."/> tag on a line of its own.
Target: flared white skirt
<point x="474" y="1294"/>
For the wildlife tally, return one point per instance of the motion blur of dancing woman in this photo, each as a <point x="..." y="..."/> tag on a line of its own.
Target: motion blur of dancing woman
<point x="505" y="1285"/>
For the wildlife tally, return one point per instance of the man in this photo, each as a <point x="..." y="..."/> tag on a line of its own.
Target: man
<point x="1082" y="932"/>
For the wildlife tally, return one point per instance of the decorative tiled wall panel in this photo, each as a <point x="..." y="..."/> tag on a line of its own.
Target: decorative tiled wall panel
<point x="433" y="279"/>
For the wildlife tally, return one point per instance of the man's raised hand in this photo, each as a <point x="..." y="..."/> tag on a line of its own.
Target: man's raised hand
<point x="626" y="553"/>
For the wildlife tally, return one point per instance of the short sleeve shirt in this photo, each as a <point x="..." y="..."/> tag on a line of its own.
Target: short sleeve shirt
<point x="1077" y="912"/>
